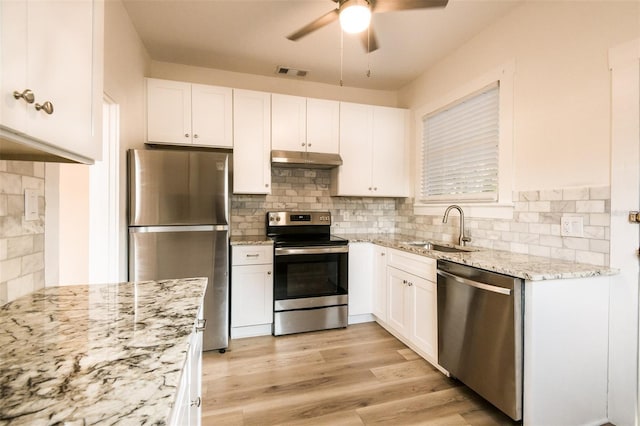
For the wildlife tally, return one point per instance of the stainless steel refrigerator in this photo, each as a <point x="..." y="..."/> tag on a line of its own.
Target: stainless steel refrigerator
<point x="178" y="206"/>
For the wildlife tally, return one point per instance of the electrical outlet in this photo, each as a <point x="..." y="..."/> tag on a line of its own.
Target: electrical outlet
<point x="571" y="226"/>
<point x="31" y="204"/>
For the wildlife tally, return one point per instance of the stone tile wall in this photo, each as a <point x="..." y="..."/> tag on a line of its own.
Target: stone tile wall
<point x="534" y="229"/>
<point x="308" y="189"/>
<point x="21" y="242"/>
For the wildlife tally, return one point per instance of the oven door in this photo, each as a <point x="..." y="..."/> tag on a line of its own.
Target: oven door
<point x="308" y="277"/>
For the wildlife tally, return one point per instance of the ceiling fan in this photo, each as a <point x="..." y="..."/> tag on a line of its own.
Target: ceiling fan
<point x="355" y="16"/>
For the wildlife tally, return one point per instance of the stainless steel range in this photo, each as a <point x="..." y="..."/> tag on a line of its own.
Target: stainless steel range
<point x="310" y="272"/>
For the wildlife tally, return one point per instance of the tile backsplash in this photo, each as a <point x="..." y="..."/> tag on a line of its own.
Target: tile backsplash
<point x="21" y="242"/>
<point x="308" y="189"/>
<point x="534" y="228"/>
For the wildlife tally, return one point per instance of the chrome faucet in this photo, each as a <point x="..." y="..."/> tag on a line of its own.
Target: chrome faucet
<point x="462" y="239"/>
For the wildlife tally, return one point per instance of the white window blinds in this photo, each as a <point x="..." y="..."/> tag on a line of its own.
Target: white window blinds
<point x="460" y="150"/>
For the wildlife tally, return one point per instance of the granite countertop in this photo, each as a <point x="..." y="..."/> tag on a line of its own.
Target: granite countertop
<point x="96" y="354"/>
<point x="250" y="240"/>
<point x="533" y="268"/>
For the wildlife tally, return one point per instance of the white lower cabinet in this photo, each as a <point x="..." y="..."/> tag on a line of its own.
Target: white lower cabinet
<point x="360" y="282"/>
<point x="187" y="409"/>
<point x="412" y="313"/>
<point x="379" y="263"/>
<point x="251" y="290"/>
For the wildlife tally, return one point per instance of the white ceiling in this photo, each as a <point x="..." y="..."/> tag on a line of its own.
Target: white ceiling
<point x="249" y="36"/>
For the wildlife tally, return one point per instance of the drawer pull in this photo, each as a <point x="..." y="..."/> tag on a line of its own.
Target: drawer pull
<point x="196" y="402"/>
<point x="252" y="255"/>
<point x="46" y="107"/>
<point x="27" y="95"/>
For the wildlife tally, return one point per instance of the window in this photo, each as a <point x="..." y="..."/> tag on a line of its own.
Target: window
<point x="464" y="140"/>
<point x="460" y="149"/>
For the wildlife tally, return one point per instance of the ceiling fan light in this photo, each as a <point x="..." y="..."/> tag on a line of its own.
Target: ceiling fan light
<point x="355" y="16"/>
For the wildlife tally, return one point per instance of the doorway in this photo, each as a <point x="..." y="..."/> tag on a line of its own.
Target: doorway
<point x="624" y="326"/>
<point x="104" y="203"/>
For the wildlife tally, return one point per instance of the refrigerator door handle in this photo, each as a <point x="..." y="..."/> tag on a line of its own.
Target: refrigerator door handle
<point x="178" y="228"/>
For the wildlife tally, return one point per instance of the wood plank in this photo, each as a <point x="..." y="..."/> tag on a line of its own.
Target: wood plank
<point x="354" y="376"/>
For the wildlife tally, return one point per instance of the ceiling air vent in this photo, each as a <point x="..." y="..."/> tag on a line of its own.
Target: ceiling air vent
<point x="291" y="72"/>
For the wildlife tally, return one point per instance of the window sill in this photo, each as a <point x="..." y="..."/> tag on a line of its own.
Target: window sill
<point x="476" y="210"/>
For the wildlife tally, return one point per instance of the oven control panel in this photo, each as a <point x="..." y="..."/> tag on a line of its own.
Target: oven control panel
<point x="298" y="218"/>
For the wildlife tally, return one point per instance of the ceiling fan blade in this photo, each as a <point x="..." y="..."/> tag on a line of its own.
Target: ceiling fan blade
<point x="368" y="39"/>
<point x="315" y="25"/>
<point x="391" y="5"/>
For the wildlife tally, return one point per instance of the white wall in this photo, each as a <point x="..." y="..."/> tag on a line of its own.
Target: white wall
<point x="271" y="84"/>
<point x="126" y="63"/>
<point x="562" y="85"/>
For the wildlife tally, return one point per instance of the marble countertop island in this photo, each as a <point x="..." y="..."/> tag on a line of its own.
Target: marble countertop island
<point x="96" y="354"/>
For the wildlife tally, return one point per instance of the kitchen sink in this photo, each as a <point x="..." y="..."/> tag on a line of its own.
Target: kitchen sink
<point x="428" y="245"/>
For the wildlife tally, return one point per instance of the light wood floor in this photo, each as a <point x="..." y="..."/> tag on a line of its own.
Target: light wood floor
<point x="353" y="376"/>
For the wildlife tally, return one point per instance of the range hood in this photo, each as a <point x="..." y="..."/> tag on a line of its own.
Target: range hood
<point x="313" y="160"/>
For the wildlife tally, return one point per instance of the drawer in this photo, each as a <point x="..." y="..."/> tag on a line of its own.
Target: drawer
<point x="415" y="264"/>
<point x="252" y="255"/>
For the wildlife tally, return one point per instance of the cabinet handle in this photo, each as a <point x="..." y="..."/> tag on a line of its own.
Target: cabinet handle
<point x="268" y="272"/>
<point x="26" y="94"/>
<point x="197" y="402"/>
<point x="252" y="255"/>
<point x="369" y="188"/>
<point x="375" y="188"/>
<point x="409" y="283"/>
<point x="382" y="254"/>
<point x="308" y="144"/>
<point x="46" y="107"/>
<point x="202" y="324"/>
<point x="303" y="144"/>
<point x="186" y="135"/>
<point x="195" y="136"/>
<point x="266" y="185"/>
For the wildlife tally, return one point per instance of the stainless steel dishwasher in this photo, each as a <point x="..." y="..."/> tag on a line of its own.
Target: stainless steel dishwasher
<point x="480" y="322"/>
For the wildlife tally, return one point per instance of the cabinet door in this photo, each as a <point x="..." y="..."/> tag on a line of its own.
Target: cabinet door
<point x="60" y="70"/>
<point x="251" y="295"/>
<point x="252" y="142"/>
<point x="168" y="111"/>
<point x="389" y="177"/>
<point x="288" y="123"/>
<point x="195" y="381"/>
<point x="13" y="64"/>
<point x="212" y="115"/>
<point x="61" y="65"/>
<point x="323" y="125"/>
<point x="360" y="278"/>
<point x="398" y="312"/>
<point x="424" y="316"/>
<point x="380" y="282"/>
<point x="354" y="176"/>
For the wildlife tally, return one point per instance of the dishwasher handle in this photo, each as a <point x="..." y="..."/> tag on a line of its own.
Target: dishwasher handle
<point x="476" y="284"/>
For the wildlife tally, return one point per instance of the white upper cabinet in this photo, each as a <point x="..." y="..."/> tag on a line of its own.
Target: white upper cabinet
<point x="373" y="147"/>
<point x="304" y="124"/>
<point x="182" y="113"/>
<point x="51" y="80"/>
<point x="252" y="142"/>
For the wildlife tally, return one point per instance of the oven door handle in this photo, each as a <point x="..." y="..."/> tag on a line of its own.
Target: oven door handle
<point x="289" y="251"/>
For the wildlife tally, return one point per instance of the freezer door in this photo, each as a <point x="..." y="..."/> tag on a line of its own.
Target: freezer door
<point x="168" y="187"/>
<point x="183" y="252"/>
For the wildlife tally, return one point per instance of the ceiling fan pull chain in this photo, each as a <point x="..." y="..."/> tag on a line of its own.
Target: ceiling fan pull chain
<point x="368" y="51"/>
<point x="341" y="54"/>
